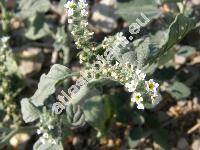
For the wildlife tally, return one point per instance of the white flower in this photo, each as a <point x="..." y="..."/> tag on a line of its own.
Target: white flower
<point x="131" y="86"/>
<point x="69" y="4"/>
<point x="39" y="131"/>
<point x="53" y="142"/>
<point x="45" y="135"/>
<point x="70" y="12"/>
<point x="151" y="86"/>
<point x="41" y="121"/>
<point x="70" y="21"/>
<point x="5" y="39"/>
<point x="114" y="75"/>
<point x="50" y="127"/>
<point x="91" y="33"/>
<point x="82" y="3"/>
<point x="156" y="98"/>
<point x="140" y="106"/>
<point x="141" y="76"/>
<point x="84" y="23"/>
<point x="137" y="98"/>
<point x="119" y="36"/>
<point x="84" y="12"/>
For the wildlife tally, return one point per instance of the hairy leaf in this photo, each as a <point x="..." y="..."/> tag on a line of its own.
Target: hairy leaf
<point x="46" y="86"/>
<point x="37" y="28"/>
<point x="135" y="136"/>
<point x="179" y="90"/>
<point x="96" y="112"/>
<point x="186" y="51"/>
<point x="29" y="8"/>
<point x="131" y="10"/>
<point x="160" y="136"/>
<point x="177" y="31"/>
<point x="29" y="112"/>
<point x="149" y="49"/>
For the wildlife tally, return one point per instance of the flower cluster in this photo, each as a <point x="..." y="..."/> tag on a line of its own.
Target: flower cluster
<point x="146" y="90"/>
<point x="77" y="14"/>
<point x="132" y="78"/>
<point x="5" y="80"/>
<point x="73" y="10"/>
<point x="110" y="64"/>
<point x="3" y="51"/>
<point x="48" y="128"/>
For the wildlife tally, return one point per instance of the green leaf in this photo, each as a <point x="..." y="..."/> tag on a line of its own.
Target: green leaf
<point x="11" y="64"/>
<point x="179" y="90"/>
<point x="47" y="146"/>
<point x="134" y="137"/>
<point x="29" y="8"/>
<point x="138" y="119"/>
<point x="166" y="57"/>
<point x="29" y="112"/>
<point x="160" y="136"/>
<point x="143" y="52"/>
<point x="186" y="51"/>
<point x="157" y="47"/>
<point x="97" y="112"/>
<point x="131" y="10"/>
<point x="46" y="86"/>
<point x="37" y="28"/>
<point x="122" y="109"/>
<point x="177" y="31"/>
<point x="92" y="88"/>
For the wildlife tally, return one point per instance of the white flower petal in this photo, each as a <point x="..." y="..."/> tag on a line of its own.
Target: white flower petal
<point x="39" y="131"/>
<point x="70" y="12"/>
<point x="70" y="21"/>
<point x="45" y="135"/>
<point x="140" y="106"/>
<point x="138" y="71"/>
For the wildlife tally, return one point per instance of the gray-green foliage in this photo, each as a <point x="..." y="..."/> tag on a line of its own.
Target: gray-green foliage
<point x="179" y="90"/>
<point x="149" y="50"/>
<point x="10" y="86"/>
<point x="30" y="8"/>
<point x="46" y="86"/>
<point x="132" y="9"/>
<point x="94" y="108"/>
<point x="33" y="11"/>
<point x="75" y="116"/>
<point x="29" y="111"/>
<point x="37" y="27"/>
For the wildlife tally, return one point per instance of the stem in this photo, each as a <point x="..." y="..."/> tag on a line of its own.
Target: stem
<point x="66" y="57"/>
<point x="184" y="6"/>
<point x="5" y="22"/>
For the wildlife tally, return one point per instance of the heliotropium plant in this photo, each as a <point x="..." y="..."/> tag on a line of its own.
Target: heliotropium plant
<point x="128" y="64"/>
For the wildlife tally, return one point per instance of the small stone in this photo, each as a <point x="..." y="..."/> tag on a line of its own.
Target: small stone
<point x="110" y="143"/>
<point x="182" y="103"/>
<point x="196" y="144"/>
<point x="31" y="61"/>
<point x="103" y="17"/>
<point x="18" y="139"/>
<point x="196" y="2"/>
